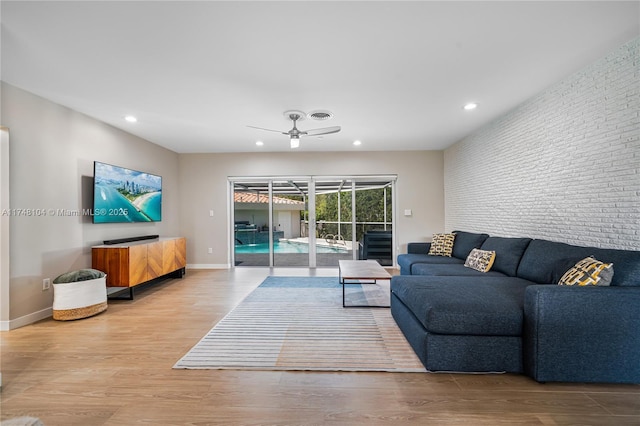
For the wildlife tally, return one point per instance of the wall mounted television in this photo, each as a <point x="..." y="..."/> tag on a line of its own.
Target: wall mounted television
<point x="125" y="195"/>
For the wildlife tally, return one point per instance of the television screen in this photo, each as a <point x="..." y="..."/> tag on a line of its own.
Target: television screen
<point x="125" y="195"/>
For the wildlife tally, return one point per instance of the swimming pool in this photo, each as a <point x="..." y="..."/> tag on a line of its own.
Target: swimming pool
<point x="286" y="247"/>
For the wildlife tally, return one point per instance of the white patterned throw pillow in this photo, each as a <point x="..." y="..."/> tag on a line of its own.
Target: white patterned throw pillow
<point x="480" y="260"/>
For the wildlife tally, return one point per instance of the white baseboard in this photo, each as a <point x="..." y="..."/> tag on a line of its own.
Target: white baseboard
<point x="26" y="320"/>
<point x="208" y="266"/>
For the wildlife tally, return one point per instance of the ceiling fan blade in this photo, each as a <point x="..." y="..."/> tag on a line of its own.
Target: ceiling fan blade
<point x="269" y="130"/>
<point x="323" y="131"/>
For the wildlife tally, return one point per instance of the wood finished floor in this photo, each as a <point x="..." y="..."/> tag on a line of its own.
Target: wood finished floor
<point x="115" y="369"/>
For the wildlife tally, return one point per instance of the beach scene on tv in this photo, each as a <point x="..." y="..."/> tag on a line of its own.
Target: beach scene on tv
<point x="124" y="195"/>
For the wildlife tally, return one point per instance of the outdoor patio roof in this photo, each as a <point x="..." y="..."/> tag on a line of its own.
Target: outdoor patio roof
<point x="296" y="187"/>
<point x="252" y="197"/>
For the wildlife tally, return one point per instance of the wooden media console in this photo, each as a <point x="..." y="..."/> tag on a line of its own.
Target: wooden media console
<point x="131" y="263"/>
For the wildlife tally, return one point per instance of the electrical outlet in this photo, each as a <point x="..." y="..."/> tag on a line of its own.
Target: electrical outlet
<point x="46" y="284"/>
<point x="210" y="250"/>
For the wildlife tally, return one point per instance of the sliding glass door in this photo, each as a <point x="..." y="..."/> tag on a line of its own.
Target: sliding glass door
<point x="374" y="221"/>
<point x="251" y="223"/>
<point x="333" y="221"/>
<point x="290" y="208"/>
<point x="311" y="221"/>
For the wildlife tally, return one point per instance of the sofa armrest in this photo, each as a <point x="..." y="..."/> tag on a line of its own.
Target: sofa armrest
<point x="582" y="334"/>
<point x="418" y="248"/>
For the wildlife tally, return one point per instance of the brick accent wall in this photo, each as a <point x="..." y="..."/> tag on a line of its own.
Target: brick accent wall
<point x="563" y="166"/>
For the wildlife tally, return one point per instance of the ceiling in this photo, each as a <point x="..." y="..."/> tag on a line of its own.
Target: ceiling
<point x="394" y="74"/>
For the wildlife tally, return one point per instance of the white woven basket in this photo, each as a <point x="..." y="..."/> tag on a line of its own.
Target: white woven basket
<point x="80" y="299"/>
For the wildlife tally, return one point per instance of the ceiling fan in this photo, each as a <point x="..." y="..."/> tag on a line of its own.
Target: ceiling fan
<point x="295" y="134"/>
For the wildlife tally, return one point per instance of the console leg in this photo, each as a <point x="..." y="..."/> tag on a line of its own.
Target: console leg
<point x="116" y="297"/>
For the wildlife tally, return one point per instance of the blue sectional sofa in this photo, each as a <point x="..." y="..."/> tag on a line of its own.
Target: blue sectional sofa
<point x="515" y="318"/>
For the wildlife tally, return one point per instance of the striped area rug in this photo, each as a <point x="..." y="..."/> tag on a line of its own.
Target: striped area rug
<point x="298" y="323"/>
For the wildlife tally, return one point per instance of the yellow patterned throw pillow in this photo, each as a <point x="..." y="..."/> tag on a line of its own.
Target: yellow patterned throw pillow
<point x="442" y="245"/>
<point x="588" y="271"/>
<point x="480" y="260"/>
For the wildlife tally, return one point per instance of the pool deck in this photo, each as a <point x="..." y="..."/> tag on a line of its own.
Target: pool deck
<point x="324" y="242"/>
<point x="291" y="259"/>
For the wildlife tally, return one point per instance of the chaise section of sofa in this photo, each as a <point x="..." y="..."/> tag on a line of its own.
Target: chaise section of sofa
<point x="465" y="320"/>
<point x="471" y="324"/>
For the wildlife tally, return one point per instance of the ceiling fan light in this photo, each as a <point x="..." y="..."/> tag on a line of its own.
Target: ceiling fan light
<point x="295" y="142"/>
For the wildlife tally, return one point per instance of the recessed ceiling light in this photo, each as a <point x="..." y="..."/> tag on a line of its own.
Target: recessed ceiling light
<point x="130" y="118"/>
<point x="259" y="143"/>
<point x="470" y="106"/>
<point x="357" y="143"/>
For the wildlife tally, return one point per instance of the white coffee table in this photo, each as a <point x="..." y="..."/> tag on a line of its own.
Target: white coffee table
<point x="361" y="272"/>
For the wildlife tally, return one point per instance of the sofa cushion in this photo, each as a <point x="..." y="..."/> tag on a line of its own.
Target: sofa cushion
<point x="455" y="270"/>
<point x="544" y="262"/>
<point x="442" y="245"/>
<point x="406" y="261"/>
<point x="588" y="271"/>
<point x="481" y="306"/>
<point x="465" y="242"/>
<point x="509" y="251"/>
<point x="418" y="248"/>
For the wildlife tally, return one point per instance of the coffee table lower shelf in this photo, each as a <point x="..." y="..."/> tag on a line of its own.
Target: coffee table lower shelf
<point x="358" y="270"/>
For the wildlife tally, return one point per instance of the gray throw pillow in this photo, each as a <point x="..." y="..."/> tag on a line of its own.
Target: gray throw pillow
<point x="79" y="275"/>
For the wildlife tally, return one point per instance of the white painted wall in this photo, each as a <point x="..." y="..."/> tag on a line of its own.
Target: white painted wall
<point x="203" y="179"/>
<point x="5" y="258"/>
<point x="563" y="166"/>
<point x="52" y="153"/>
